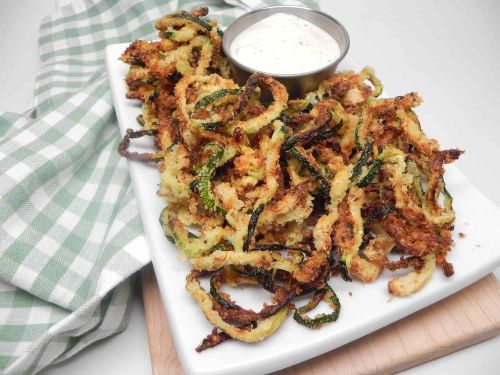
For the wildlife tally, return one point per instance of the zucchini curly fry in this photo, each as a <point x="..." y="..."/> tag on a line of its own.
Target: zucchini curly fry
<point x="284" y="194"/>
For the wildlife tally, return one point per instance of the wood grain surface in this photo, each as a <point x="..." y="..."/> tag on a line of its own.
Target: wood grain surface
<point x="161" y="348"/>
<point x="463" y="319"/>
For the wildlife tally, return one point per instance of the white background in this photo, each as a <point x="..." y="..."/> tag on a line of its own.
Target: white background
<point x="447" y="50"/>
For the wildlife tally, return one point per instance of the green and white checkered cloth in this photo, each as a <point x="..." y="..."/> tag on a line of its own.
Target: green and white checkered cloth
<point x="70" y="234"/>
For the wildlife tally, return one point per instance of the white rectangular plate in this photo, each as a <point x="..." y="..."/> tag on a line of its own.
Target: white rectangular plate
<point x="369" y="308"/>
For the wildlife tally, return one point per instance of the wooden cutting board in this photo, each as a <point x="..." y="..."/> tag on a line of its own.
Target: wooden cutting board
<point x="463" y="319"/>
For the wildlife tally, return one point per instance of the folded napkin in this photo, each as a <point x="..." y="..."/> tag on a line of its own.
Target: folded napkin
<point x="70" y="234"/>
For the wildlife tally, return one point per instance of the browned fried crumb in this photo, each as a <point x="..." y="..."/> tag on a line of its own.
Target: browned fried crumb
<point x="445" y="265"/>
<point x="416" y="262"/>
<point x="416" y="240"/>
<point x="213" y="339"/>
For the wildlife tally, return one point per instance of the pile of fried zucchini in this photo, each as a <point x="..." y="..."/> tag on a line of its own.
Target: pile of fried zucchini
<point x="284" y="194"/>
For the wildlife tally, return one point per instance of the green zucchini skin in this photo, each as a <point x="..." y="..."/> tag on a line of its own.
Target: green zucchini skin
<point x="308" y="108"/>
<point x="323" y="182"/>
<point x="312" y="136"/>
<point x="344" y="273"/>
<point x="216" y="95"/>
<point x="202" y="183"/>
<point x="447" y="196"/>
<point x="165" y="226"/>
<point x="328" y="295"/>
<point x="372" y="173"/>
<point x="140" y="120"/>
<point x="299" y="106"/>
<point x="254" y="218"/>
<point x="214" y="292"/>
<point x="363" y="159"/>
<point x="265" y="278"/>
<point x="189" y="17"/>
<point x="141" y="133"/>
<point x="211" y="125"/>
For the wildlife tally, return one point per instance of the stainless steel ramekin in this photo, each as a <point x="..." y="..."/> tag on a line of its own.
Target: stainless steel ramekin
<point x="297" y="84"/>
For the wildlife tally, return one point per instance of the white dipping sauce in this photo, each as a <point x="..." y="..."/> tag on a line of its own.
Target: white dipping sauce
<point x="284" y="44"/>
